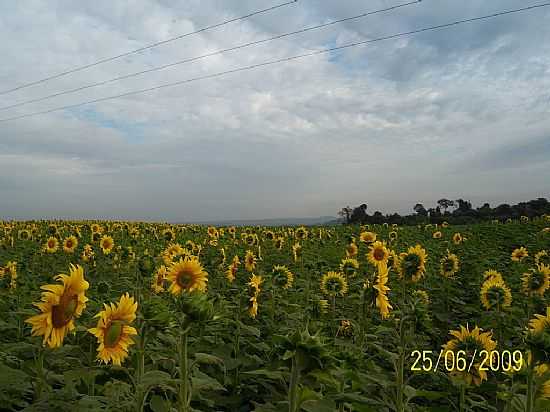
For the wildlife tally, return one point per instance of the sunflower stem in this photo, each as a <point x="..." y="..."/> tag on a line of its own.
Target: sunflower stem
<point x="462" y="404"/>
<point x="184" y="400"/>
<point x="293" y="386"/>
<point x="529" y="401"/>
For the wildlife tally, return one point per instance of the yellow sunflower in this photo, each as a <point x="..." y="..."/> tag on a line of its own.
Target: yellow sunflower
<point x="382" y="301"/>
<point x="393" y="235"/>
<point x="255" y="282"/>
<point x="349" y="267"/>
<point x="470" y="341"/>
<point x="541" y="323"/>
<point x="187" y="275"/>
<point x="113" y="330"/>
<point x="449" y="265"/>
<point x="60" y="305"/>
<point x="412" y="264"/>
<point x="378" y="253"/>
<point x="367" y="237"/>
<point x="269" y="235"/>
<point x="231" y="272"/>
<point x="542" y="258"/>
<point x="423" y="296"/>
<point x="519" y="254"/>
<point x="437" y="235"/>
<point x="106" y="243"/>
<point x="249" y="261"/>
<point x="168" y="235"/>
<point x="490" y="274"/>
<point x="495" y="293"/>
<point x="159" y="277"/>
<point x="351" y="250"/>
<point x="457" y="239"/>
<point x="301" y="233"/>
<point x="536" y="281"/>
<point x="279" y="242"/>
<point x="70" y="244"/>
<point x="52" y="245"/>
<point x="282" y="276"/>
<point x="334" y="284"/>
<point x="296" y="251"/>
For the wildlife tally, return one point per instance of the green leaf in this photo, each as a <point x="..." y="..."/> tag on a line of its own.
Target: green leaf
<point x="208" y="359"/>
<point x="159" y="404"/>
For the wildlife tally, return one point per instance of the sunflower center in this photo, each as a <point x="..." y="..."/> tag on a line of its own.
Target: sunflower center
<point x="51" y="244"/>
<point x="113" y="334"/>
<point x="379" y="254"/>
<point x="448" y="265"/>
<point x="411" y="264"/>
<point x="69" y="244"/>
<point x="64" y="312"/>
<point x="185" y="279"/>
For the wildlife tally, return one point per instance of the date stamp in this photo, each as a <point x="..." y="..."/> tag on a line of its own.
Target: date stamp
<point x="448" y="360"/>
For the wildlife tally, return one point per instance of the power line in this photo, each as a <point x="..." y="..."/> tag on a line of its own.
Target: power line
<point x="215" y="53"/>
<point x="286" y="59"/>
<point x="150" y="46"/>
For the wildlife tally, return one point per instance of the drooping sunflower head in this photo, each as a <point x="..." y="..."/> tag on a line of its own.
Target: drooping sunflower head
<point x="52" y="244"/>
<point x="378" y="253"/>
<point x="231" y="272"/>
<point x="114" y="332"/>
<point x="254" y="283"/>
<point x="471" y="342"/>
<point x="367" y="237"/>
<point x="349" y="266"/>
<point x="351" y="250"/>
<point x="382" y="300"/>
<point x="540" y="324"/>
<point x="296" y="251"/>
<point x="282" y="277"/>
<point x="249" y="261"/>
<point x="412" y="264"/>
<point x="107" y="244"/>
<point x="70" y="244"/>
<point x="449" y="265"/>
<point x="495" y="294"/>
<point x="279" y="242"/>
<point x="422" y="296"/>
<point x="168" y="235"/>
<point x="536" y="281"/>
<point x="87" y="253"/>
<point x="457" y="238"/>
<point x="187" y="275"/>
<point x="60" y="305"/>
<point x="159" y="277"/>
<point x="334" y="284"/>
<point x="519" y="254"/>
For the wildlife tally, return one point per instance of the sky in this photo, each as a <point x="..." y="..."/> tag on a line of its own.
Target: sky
<point x="456" y="113"/>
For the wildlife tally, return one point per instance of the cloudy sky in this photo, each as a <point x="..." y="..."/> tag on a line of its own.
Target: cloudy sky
<point x="454" y="113"/>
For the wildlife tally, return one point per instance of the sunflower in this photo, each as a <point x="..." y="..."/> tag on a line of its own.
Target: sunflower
<point x="113" y="330"/>
<point x="412" y="264"/>
<point x="250" y="239"/>
<point x="87" y="253"/>
<point x="349" y="266"/>
<point x="249" y="261"/>
<point x="301" y="233"/>
<point x="495" y="293"/>
<point x="231" y="272"/>
<point x="168" y="235"/>
<point x="382" y="301"/>
<point x="536" y="281"/>
<point x="542" y="258"/>
<point x="423" y="296"/>
<point x="545" y="390"/>
<point x="323" y="305"/>
<point x="367" y="237"/>
<point x="351" y="250"/>
<point x="279" y="242"/>
<point x="457" y="238"/>
<point x="232" y="231"/>
<point x="60" y="305"/>
<point x="334" y="284"/>
<point x="70" y="244"/>
<point x="159" y="277"/>
<point x="52" y="245"/>
<point x="449" y="265"/>
<point x="345" y="329"/>
<point x="24" y="234"/>
<point x="254" y="285"/>
<point x="283" y="277"/>
<point x="519" y="254"/>
<point x="95" y="228"/>
<point x="491" y="273"/>
<point x="269" y="235"/>
<point x="296" y="251"/>
<point x="253" y="306"/>
<point x="541" y="323"/>
<point x="106" y="243"/>
<point x="255" y="282"/>
<point x="470" y="341"/>
<point x="378" y="253"/>
<point x="437" y="235"/>
<point x="212" y="231"/>
<point x="187" y="275"/>
<point x="393" y="235"/>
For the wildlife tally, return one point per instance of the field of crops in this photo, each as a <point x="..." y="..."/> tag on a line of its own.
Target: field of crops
<point x="124" y="316"/>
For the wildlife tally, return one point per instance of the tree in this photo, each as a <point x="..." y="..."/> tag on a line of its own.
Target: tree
<point x="420" y="209"/>
<point x="463" y="205"/>
<point x="345" y="213"/>
<point x="445" y="204"/>
<point x="359" y="214"/>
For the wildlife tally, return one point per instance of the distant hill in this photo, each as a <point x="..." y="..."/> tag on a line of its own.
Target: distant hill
<point x="292" y="221"/>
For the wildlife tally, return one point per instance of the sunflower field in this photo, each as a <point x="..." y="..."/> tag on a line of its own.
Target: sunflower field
<point x="125" y="316"/>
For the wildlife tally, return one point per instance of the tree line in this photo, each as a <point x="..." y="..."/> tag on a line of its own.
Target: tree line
<point x="458" y="211"/>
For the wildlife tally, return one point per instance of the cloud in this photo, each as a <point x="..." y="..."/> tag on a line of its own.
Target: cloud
<point x="459" y="113"/>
